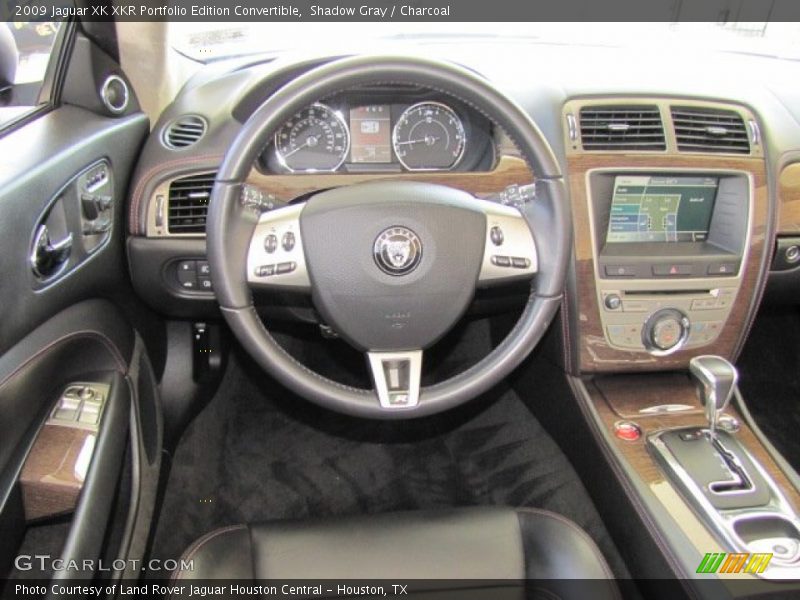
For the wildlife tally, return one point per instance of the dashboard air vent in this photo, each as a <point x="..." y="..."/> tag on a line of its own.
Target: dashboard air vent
<point x="622" y="128"/>
<point x="184" y="131"/>
<point x="188" y="203"/>
<point x="709" y="130"/>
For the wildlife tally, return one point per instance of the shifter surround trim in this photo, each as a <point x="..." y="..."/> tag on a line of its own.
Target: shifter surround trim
<point x="723" y="522"/>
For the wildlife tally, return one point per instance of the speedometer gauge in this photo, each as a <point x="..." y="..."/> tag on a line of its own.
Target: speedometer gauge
<point x="429" y="136"/>
<point x="314" y="139"/>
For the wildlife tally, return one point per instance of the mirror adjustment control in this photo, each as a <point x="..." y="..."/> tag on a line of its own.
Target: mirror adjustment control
<point x="665" y="331"/>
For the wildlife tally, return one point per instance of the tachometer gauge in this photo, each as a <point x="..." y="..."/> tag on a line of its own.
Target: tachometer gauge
<point x="314" y="139"/>
<point x="429" y="136"/>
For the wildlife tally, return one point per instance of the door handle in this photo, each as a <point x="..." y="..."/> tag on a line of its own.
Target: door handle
<point x="48" y="256"/>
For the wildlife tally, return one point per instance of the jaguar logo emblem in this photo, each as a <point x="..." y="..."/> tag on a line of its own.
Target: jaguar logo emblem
<point x="397" y="250"/>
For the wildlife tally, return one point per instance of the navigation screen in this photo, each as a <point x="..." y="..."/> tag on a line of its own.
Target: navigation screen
<point x="661" y="209"/>
<point x="370" y="134"/>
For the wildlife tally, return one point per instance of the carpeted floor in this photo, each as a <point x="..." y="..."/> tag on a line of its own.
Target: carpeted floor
<point x="769" y="378"/>
<point x="258" y="453"/>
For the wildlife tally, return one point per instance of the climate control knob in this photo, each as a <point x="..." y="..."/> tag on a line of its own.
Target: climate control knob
<point x="665" y="331"/>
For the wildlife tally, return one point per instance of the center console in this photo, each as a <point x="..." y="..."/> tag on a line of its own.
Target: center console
<point x="671" y="238"/>
<point x="729" y="489"/>
<point x="673" y="230"/>
<point x="668" y="249"/>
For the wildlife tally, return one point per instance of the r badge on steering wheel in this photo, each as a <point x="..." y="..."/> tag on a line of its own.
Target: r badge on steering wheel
<point x="397" y="250"/>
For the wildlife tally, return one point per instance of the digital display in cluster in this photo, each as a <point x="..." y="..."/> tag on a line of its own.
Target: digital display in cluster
<point x="371" y="134"/>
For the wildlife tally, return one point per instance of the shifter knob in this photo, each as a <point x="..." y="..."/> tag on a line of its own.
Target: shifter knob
<point x="716" y="379"/>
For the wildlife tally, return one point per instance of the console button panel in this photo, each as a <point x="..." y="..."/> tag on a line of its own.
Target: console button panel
<point x="191" y="275"/>
<point x="628" y="316"/>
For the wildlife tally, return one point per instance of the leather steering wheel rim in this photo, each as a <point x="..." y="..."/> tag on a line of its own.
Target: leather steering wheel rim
<point x="231" y="224"/>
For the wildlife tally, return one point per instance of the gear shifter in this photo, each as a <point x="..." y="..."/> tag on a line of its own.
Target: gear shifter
<point x="716" y="379"/>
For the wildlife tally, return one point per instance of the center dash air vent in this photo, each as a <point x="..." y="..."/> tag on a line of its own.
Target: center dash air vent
<point x="184" y="131"/>
<point x="188" y="203"/>
<point x="622" y="128"/>
<point x="709" y="130"/>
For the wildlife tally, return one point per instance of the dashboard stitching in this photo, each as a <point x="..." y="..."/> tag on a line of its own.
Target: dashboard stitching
<point x="146" y="178"/>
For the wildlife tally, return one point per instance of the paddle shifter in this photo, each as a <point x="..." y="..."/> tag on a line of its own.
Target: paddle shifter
<point x="716" y="379"/>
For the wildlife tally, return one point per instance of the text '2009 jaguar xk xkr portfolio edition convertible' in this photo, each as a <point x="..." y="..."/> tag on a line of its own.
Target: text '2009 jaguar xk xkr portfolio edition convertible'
<point x="452" y="313"/>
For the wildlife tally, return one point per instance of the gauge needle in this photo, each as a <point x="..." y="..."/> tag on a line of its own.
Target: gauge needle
<point x="310" y="141"/>
<point x="428" y="140"/>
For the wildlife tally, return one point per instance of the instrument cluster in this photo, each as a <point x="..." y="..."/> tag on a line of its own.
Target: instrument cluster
<point x="377" y="133"/>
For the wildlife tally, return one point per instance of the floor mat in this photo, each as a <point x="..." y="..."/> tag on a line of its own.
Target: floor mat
<point x="258" y="453"/>
<point x="769" y="378"/>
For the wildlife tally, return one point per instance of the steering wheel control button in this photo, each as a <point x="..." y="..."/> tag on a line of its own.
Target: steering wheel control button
<point x="203" y="269"/>
<point x="397" y="251"/>
<point x="501" y="261"/>
<point x="496" y="235"/>
<point x="271" y="243"/>
<point x="265" y="270"/>
<point x="520" y="263"/>
<point x="288" y="241"/>
<point x="666" y="331"/>
<point x="285" y="267"/>
<point x="186" y="265"/>
<point x="627" y="431"/>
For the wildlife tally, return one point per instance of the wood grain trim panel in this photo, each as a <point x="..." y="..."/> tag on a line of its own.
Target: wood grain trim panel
<point x="595" y="354"/>
<point x="49" y="485"/>
<point x="789" y="200"/>
<point x="611" y="395"/>
<point x="509" y="170"/>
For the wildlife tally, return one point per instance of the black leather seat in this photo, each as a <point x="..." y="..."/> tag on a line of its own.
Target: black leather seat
<point x="534" y="553"/>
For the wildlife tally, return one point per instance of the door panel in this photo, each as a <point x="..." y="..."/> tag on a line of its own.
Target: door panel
<point x="65" y="452"/>
<point x="43" y="158"/>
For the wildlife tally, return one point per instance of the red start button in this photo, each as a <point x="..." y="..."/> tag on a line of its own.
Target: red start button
<point x="627" y="430"/>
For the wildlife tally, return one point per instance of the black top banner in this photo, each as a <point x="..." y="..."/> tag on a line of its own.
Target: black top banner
<point x="720" y="11"/>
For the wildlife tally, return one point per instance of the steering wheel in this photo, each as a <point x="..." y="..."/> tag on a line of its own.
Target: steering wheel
<point x="390" y="265"/>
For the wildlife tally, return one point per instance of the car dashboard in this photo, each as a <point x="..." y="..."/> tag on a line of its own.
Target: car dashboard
<point x="651" y="285"/>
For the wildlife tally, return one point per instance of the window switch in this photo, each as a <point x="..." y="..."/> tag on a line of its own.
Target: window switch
<point x="90" y="414"/>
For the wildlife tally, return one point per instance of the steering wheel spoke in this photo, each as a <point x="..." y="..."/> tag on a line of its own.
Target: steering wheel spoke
<point x="396" y="376"/>
<point x="510" y="250"/>
<point x="275" y="258"/>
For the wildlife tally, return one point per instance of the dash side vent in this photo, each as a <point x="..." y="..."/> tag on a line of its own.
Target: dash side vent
<point x="700" y="129"/>
<point x="184" y="132"/>
<point x="613" y="127"/>
<point x="187" y="203"/>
